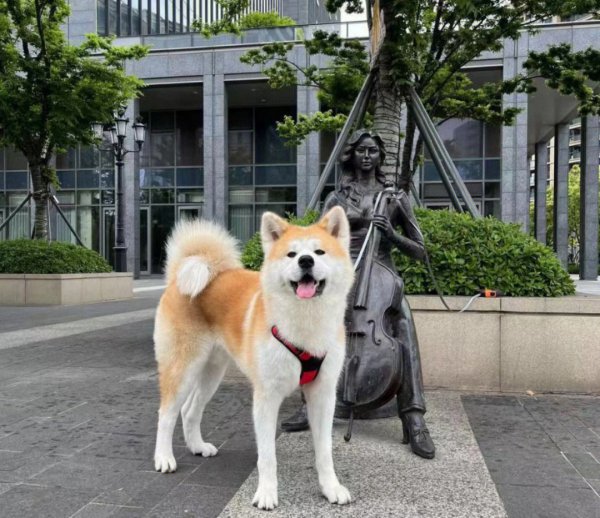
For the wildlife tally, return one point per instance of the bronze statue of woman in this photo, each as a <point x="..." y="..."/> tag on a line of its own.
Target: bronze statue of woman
<point x="361" y="181"/>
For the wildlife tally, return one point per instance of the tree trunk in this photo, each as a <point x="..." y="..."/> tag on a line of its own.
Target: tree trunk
<point x="387" y="116"/>
<point x="40" y="196"/>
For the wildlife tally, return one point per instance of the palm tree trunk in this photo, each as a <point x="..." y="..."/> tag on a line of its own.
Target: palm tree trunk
<point x="387" y="115"/>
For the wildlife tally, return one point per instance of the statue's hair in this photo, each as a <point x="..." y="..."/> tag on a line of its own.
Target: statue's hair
<point x="347" y="184"/>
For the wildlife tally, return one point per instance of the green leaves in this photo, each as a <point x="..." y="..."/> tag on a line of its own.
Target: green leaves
<point x="36" y="256"/>
<point x="570" y="73"/>
<point x="467" y="254"/>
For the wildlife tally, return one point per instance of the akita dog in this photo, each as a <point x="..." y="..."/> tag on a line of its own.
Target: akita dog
<point x="283" y="327"/>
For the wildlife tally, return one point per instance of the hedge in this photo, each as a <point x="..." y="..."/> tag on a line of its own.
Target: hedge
<point x="38" y="256"/>
<point x="466" y="255"/>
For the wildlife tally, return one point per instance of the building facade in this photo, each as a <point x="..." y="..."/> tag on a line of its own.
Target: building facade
<point x="212" y="149"/>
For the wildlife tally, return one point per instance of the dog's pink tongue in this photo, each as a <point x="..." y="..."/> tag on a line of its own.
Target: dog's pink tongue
<point x="306" y="290"/>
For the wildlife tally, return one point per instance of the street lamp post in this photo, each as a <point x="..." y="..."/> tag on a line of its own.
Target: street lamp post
<point x="116" y="133"/>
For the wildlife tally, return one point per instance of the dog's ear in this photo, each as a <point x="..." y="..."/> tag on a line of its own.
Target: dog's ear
<point x="336" y="223"/>
<point x="271" y="229"/>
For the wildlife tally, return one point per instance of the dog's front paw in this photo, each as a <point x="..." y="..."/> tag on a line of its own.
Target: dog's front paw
<point x="165" y="463"/>
<point x="205" y="449"/>
<point x="337" y="494"/>
<point x="265" y="498"/>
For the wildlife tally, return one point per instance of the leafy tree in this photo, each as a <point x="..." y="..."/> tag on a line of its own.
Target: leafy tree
<point x="425" y="44"/>
<point x="51" y="91"/>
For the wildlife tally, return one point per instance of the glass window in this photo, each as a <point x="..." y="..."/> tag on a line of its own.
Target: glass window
<point x="161" y="178"/>
<point x="66" y="197"/>
<point x="1" y="184"/>
<point x="162" y="138"/>
<point x="240" y="175"/>
<point x="108" y="197"/>
<point x="17" y="180"/>
<point x="135" y="17"/>
<point x="125" y="28"/>
<point x="88" y="226"/>
<point x="241" y="221"/>
<point x="88" y="157"/>
<point x="161" y="222"/>
<point x="190" y="196"/>
<point x="470" y="169"/>
<point x="241" y="195"/>
<point x="88" y="197"/>
<point x="101" y="14"/>
<point x="240" y="147"/>
<point x="492" y="189"/>
<point x="492" y="169"/>
<point x="89" y="178"/>
<point x="270" y="148"/>
<point x="240" y="119"/>
<point x="112" y="16"/>
<point x="431" y="172"/>
<point x="15" y="160"/>
<point x="107" y="178"/>
<point x="192" y="176"/>
<point x="189" y="137"/>
<point x="282" y="209"/>
<point x="462" y="138"/>
<point x="493" y="141"/>
<point x="276" y="175"/>
<point x="67" y="160"/>
<point x="66" y="179"/>
<point x="162" y="196"/>
<point x="492" y="208"/>
<point x="276" y="194"/>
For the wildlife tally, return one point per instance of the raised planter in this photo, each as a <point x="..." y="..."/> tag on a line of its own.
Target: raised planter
<point x="510" y="344"/>
<point x="63" y="289"/>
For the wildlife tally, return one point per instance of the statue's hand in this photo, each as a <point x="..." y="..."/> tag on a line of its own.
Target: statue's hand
<point x="383" y="223"/>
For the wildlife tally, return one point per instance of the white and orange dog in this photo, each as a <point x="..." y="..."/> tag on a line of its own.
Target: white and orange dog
<point x="283" y="327"/>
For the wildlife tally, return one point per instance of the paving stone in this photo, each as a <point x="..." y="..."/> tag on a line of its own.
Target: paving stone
<point x="585" y="464"/>
<point x="84" y="475"/>
<point x="49" y="502"/>
<point x="94" y="510"/>
<point x="549" y="502"/>
<point x="193" y="501"/>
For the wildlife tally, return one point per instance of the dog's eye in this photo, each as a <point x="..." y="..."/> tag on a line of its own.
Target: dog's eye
<point x="292" y="254"/>
<point x="319" y="252"/>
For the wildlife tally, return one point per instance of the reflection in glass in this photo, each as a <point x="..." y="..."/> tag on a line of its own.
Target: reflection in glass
<point x="88" y="197"/>
<point x="88" y="226"/>
<point x="162" y="220"/>
<point x="190" y="177"/>
<point x="190" y="196"/>
<point x="17" y="180"/>
<point x="270" y="148"/>
<point x="162" y="195"/>
<point x="275" y="174"/>
<point x="189" y="137"/>
<point x="241" y="221"/>
<point x="470" y="169"/>
<point x="240" y="175"/>
<point x="240" y="147"/>
<point x="87" y="179"/>
<point x="66" y="179"/>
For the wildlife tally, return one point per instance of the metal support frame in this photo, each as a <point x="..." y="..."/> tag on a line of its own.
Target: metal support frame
<point x="448" y="172"/>
<point x="51" y="199"/>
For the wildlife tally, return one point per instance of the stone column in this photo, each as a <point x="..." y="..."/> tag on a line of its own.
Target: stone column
<point x="561" y="178"/>
<point x="588" y="247"/>
<point x="216" y="185"/>
<point x="541" y="180"/>
<point x="131" y="194"/>
<point x="515" y="160"/>
<point x="307" y="157"/>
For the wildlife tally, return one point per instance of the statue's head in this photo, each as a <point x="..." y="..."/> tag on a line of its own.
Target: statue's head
<point x="364" y="152"/>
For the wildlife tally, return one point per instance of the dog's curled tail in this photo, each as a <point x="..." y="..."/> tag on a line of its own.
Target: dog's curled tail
<point x="197" y="251"/>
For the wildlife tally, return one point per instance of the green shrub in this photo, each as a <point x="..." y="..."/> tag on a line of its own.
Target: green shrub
<point x="261" y="20"/>
<point x="252" y="255"/>
<point x="37" y="256"/>
<point x="467" y="254"/>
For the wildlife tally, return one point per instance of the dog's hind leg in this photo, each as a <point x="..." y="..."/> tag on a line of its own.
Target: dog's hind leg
<point x="207" y="384"/>
<point x="177" y="380"/>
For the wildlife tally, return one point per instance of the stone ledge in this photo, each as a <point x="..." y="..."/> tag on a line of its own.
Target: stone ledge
<point x="510" y="345"/>
<point x="64" y="289"/>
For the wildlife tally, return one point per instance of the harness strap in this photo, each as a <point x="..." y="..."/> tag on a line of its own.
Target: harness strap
<point x="310" y="364"/>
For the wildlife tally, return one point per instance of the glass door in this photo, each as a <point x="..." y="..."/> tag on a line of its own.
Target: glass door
<point x="108" y="235"/>
<point x="144" y="242"/>
<point x="193" y="212"/>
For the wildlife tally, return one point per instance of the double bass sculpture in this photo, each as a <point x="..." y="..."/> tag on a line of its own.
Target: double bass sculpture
<point x="383" y="358"/>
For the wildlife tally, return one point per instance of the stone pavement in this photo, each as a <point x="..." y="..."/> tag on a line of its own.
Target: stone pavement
<point x="78" y="402"/>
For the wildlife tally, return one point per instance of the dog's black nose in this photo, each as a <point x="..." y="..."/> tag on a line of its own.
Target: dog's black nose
<point x="306" y="261"/>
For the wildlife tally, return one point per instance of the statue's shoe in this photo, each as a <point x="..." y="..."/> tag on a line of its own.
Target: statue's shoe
<point x="298" y="422"/>
<point x="415" y="432"/>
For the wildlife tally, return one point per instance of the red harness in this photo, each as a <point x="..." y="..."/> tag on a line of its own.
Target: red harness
<point x="310" y="364"/>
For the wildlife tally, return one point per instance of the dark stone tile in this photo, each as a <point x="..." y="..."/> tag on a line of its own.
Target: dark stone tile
<point x="144" y="488"/>
<point x="85" y="475"/>
<point x="548" y="502"/>
<point x="587" y="466"/>
<point x="49" y="502"/>
<point x="193" y="501"/>
<point x="94" y="510"/>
